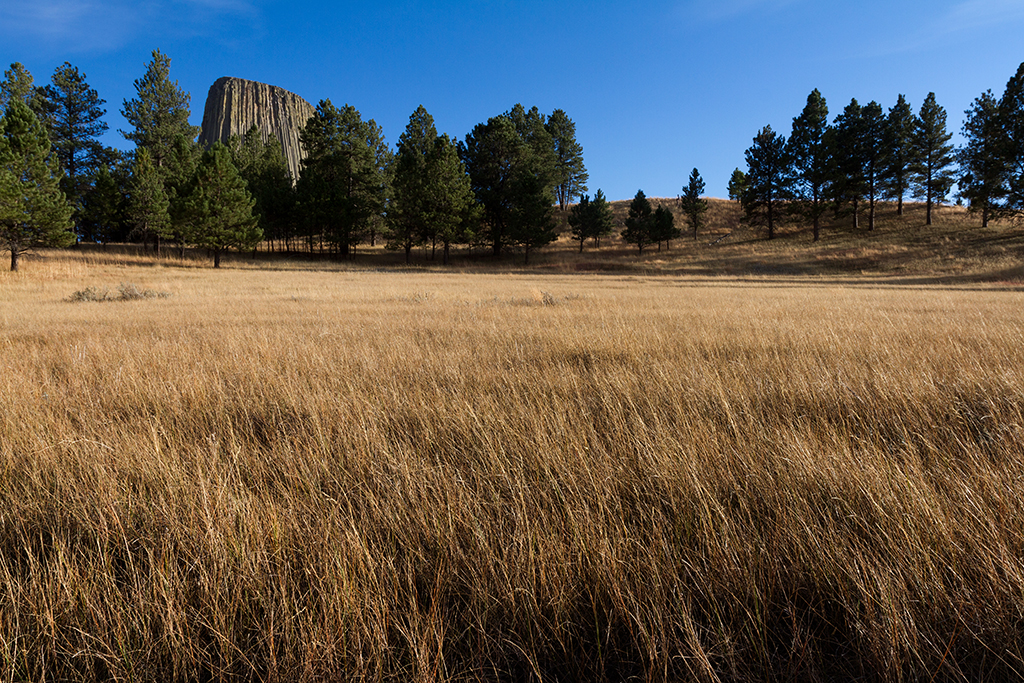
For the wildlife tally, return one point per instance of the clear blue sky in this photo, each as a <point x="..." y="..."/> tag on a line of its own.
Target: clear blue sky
<point x="655" y="88"/>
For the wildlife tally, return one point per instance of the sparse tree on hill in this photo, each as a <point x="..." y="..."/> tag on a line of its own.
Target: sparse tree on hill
<point x="570" y="173"/>
<point x="810" y="150"/>
<point x="933" y="173"/>
<point x="33" y="210"/>
<point x="1011" y="112"/>
<point x="899" y="160"/>
<point x="981" y="159"/>
<point x="591" y="219"/>
<point x="768" y="179"/>
<point x="737" y="184"/>
<point x="663" y="227"/>
<point x="692" y="203"/>
<point x="75" y="117"/>
<point x="639" y="222"/>
<point x="220" y="206"/>
<point x="873" y="150"/>
<point x="849" y="177"/>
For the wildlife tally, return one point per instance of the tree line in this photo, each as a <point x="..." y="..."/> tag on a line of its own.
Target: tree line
<point x="498" y="187"/>
<point x="867" y="155"/>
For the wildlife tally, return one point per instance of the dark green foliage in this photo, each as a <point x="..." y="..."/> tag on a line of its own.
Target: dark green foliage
<point x="344" y="181"/>
<point x="33" y="210"/>
<point x="639" y="222"/>
<point x="692" y="203"/>
<point x="511" y="165"/>
<point x="810" y="152"/>
<point x="591" y="219"/>
<point x="899" y="160"/>
<point x="737" y="184"/>
<point x="849" y="168"/>
<point x="102" y="216"/>
<point x="933" y="169"/>
<point x="220" y="207"/>
<point x="262" y="166"/>
<point x="981" y="159"/>
<point x="407" y="212"/>
<point x="179" y="179"/>
<point x="75" y="120"/>
<point x="663" y="227"/>
<point x="873" y="155"/>
<point x="570" y="173"/>
<point x="450" y="209"/>
<point x="1011" y="112"/>
<point x="18" y="84"/>
<point x="768" y="179"/>
<point x="148" y="210"/>
<point x="159" y="113"/>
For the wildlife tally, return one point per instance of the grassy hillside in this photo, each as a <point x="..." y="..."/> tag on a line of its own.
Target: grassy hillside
<point x="314" y="472"/>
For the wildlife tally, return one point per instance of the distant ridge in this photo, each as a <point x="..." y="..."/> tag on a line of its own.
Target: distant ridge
<point x="234" y="105"/>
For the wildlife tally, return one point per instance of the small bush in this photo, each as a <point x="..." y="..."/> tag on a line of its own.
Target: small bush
<point x="126" y="291"/>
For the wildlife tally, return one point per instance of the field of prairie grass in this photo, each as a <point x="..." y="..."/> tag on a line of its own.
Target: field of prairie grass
<point x="320" y="472"/>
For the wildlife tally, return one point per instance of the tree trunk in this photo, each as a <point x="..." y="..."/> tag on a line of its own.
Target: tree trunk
<point x="871" y="213"/>
<point x="14" y="259"/>
<point x="216" y="258"/>
<point x="817" y="227"/>
<point x="928" y="211"/>
<point x="444" y="257"/>
<point x="984" y="215"/>
<point x="899" y="206"/>
<point x="771" y="222"/>
<point x="581" y="244"/>
<point x="856" y="213"/>
<point x="408" y="252"/>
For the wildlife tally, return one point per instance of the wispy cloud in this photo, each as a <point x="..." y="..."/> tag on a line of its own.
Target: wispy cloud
<point x="97" y="26"/>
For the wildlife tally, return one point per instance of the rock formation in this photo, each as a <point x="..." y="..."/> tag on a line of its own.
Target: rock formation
<point x="234" y="105"/>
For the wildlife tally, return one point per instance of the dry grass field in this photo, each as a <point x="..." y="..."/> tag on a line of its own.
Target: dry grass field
<point x="323" y="472"/>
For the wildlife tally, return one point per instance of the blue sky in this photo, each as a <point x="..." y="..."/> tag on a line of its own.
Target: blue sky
<point x="655" y="88"/>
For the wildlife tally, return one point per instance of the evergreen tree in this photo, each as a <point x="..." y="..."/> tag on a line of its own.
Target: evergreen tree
<point x="178" y="179"/>
<point x="1011" y="112"/>
<point x="511" y="165"/>
<point x="75" y="117"/>
<point x="148" y="209"/>
<point x="33" y="210"/>
<point x="933" y="173"/>
<point x="737" y="184"/>
<point x="981" y="159"/>
<point x="220" y="206"/>
<point x="849" y="167"/>
<point x="18" y="84"/>
<point x="900" y="157"/>
<point x="102" y="216"/>
<point x="578" y="219"/>
<point x="811" y="154"/>
<point x="262" y="165"/>
<point x="639" y="222"/>
<point x="570" y="173"/>
<point x="768" y="179"/>
<point x="451" y="207"/>
<point x="159" y="113"/>
<point x="663" y="227"/>
<point x="407" y="213"/>
<point x="692" y="203"/>
<point x="591" y="219"/>
<point x="343" y="184"/>
<point x="873" y="150"/>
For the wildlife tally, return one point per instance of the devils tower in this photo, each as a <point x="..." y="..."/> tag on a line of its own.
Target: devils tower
<point x="234" y="105"/>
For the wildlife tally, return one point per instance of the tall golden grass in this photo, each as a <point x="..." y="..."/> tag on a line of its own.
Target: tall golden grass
<point x="308" y="474"/>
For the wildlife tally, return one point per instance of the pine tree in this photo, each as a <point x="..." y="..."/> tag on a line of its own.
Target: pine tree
<point x="344" y="181"/>
<point x="933" y="173"/>
<point x="737" y="184"/>
<point x="849" y="167"/>
<point x="981" y="159"/>
<point x="408" y="209"/>
<point x="33" y="210"/>
<point x="570" y="173"/>
<point x="262" y="165"/>
<point x="663" y="227"/>
<point x="179" y="180"/>
<point x="639" y="222"/>
<point x="811" y="154"/>
<point x="18" y="84"/>
<point x="578" y="219"/>
<point x="148" y="209"/>
<point x="873" y="150"/>
<point x="451" y="207"/>
<point x="75" y="120"/>
<point x="768" y="179"/>
<point x="102" y="216"/>
<point x="220" y="206"/>
<point x="159" y="113"/>
<point x="899" y="160"/>
<point x="1011" y="112"/>
<point x="692" y="203"/>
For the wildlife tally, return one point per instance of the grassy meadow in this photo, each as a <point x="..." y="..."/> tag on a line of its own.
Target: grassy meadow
<point x="302" y="471"/>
